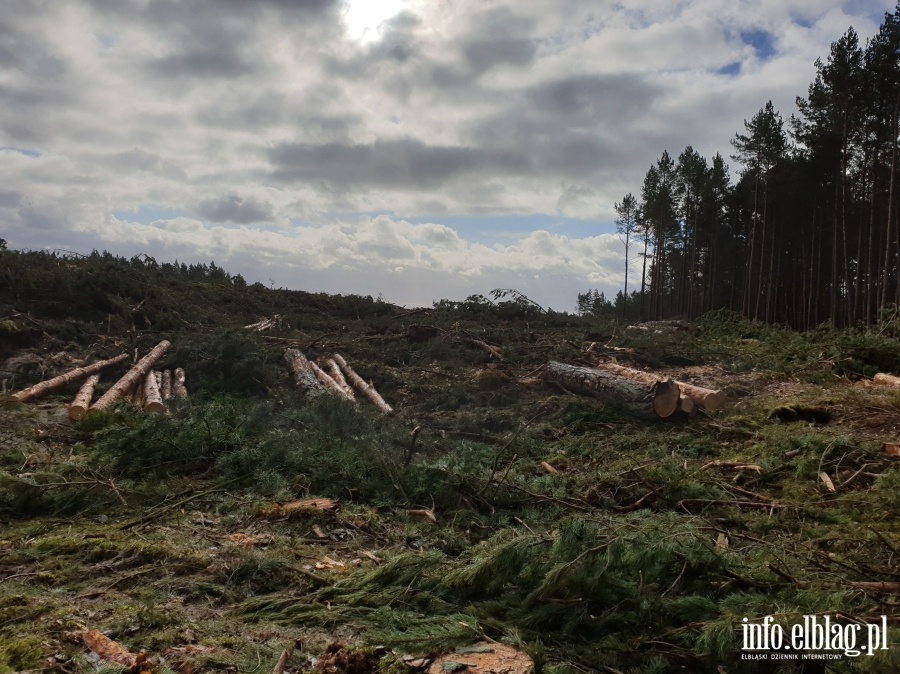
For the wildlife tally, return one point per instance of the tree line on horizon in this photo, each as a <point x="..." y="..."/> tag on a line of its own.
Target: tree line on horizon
<point x="808" y="234"/>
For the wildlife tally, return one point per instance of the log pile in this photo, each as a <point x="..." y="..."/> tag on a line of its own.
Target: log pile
<point x="312" y="380"/>
<point x="140" y="385"/>
<point x="665" y="396"/>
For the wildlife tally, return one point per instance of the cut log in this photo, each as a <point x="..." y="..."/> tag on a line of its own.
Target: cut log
<point x="328" y="382"/>
<point x="338" y="376"/>
<point x="82" y="402"/>
<point x="663" y="394"/>
<point x="165" y="389"/>
<point x="366" y="389"/>
<point x="687" y="405"/>
<point x="152" y="401"/>
<point x="179" y="390"/>
<point x="137" y="394"/>
<point x="38" y="390"/>
<point x="132" y="377"/>
<point x="304" y="377"/>
<point x="708" y="399"/>
<point x="883" y="379"/>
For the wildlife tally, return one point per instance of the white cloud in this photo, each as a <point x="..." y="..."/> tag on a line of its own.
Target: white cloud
<point x="268" y="131"/>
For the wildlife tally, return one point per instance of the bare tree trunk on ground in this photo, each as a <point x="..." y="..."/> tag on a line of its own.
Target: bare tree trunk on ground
<point x="709" y="399"/>
<point x="364" y="388"/>
<point x="165" y="389"/>
<point x="152" y="399"/>
<point x="335" y="371"/>
<point x="82" y="402"/>
<point x="328" y="381"/>
<point x="132" y="377"/>
<point x="38" y="390"/>
<point x="662" y="394"/>
<point x="304" y="377"/>
<point x="179" y="390"/>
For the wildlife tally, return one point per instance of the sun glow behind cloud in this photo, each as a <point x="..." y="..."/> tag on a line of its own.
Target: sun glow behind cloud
<point x="364" y="18"/>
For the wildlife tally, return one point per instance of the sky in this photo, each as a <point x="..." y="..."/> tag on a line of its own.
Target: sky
<point x="414" y="149"/>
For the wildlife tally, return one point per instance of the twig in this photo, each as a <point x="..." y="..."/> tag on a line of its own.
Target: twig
<point x="149" y="517"/>
<point x="685" y="503"/>
<point x="282" y="661"/>
<point x="503" y="449"/>
<point x="20" y="575"/>
<point x="884" y="539"/>
<point x="412" y="445"/>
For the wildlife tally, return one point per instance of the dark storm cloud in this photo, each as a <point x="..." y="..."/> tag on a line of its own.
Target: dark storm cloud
<point x="234" y="209"/>
<point x="389" y="163"/>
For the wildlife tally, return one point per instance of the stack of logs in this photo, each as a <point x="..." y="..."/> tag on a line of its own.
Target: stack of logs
<point x="624" y="383"/>
<point x="146" y="388"/>
<point x="313" y="380"/>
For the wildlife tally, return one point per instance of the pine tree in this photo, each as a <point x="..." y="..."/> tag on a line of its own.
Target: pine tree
<point x="758" y="150"/>
<point x="626" y="224"/>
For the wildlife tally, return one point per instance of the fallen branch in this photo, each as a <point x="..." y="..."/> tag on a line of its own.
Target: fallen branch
<point x="688" y="502"/>
<point x="109" y="650"/>
<point x="282" y="661"/>
<point x="38" y="390"/>
<point x="492" y="351"/>
<point x="159" y="512"/>
<point x="265" y="324"/>
<point x="738" y="466"/>
<point x="880" y="586"/>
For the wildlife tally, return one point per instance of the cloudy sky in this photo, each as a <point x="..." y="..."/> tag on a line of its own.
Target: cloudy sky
<point x="422" y="149"/>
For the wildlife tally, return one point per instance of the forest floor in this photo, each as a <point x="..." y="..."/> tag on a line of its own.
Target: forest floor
<point x="517" y="519"/>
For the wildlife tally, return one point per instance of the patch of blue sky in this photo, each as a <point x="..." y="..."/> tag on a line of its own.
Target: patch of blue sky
<point x="28" y="152"/>
<point x="731" y="69"/>
<point x="762" y="42"/>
